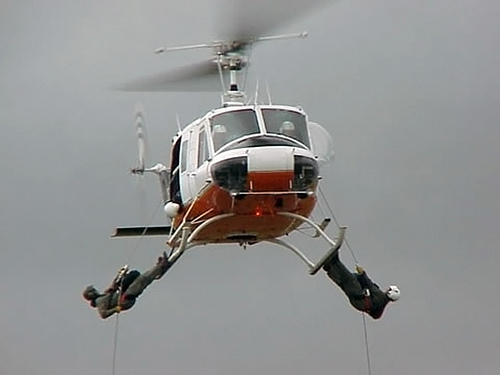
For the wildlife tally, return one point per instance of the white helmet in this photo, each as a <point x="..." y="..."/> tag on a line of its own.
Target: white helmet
<point x="393" y="293"/>
<point x="219" y="129"/>
<point x="219" y="135"/>
<point x="287" y="128"/>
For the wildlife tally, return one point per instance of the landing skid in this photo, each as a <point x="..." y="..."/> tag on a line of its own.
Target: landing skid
<point x="183" y="239"/>
<point x="334" y="244"/>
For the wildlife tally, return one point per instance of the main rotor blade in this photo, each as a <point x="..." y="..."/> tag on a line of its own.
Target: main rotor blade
<point x="238" y="21"/>
<point x="202" y="76"/>
<point x="245" y="20"/>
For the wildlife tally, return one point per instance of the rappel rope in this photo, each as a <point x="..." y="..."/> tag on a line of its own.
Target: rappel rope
<point x="365" y="331"/>
<point x="336" y="222"/>
<point x="131" y="256"/>
<point x="115" y="343"/>
<point x="367" y="350"/>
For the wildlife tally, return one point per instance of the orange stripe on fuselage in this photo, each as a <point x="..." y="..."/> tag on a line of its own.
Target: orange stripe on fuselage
<point x="270" y="181"/>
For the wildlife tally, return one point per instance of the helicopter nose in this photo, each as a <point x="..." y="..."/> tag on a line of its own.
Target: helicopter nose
<point x="270" y="169"/>
<point x="266" y="170"/>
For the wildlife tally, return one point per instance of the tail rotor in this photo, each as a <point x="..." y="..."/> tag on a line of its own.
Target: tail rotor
<point x="159" y="169"/>
<point x="141" y="140"/>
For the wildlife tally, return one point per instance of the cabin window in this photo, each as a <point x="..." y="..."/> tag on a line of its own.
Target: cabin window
<point x="202" y="147"/>
<point x="232" y="125"/>
<point x="288" y="123"/>
<point x="184" y="152"/>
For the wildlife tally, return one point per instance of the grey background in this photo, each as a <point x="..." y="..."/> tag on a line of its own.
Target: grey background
<point x="410" y="92"/>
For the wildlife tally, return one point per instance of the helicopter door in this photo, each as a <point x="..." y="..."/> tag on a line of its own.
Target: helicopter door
<point x="188" y="165"/>
<point x="202" y="171"/>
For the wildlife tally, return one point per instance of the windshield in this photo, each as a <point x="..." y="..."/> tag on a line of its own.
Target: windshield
<point x="285" y="122"/>
<point x="232" y="125"/>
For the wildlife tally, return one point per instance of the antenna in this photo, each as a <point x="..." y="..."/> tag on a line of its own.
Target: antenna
<point x="221" y="76"/>
<point x="179" y="128"/>
<point x="256" y="100"/>
<point x="268" y="93"/>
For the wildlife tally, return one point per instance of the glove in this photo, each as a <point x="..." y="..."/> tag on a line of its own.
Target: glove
<point x="120" y="275"/>
<point x="163" y="261"/>
<point x="359" y="269"/>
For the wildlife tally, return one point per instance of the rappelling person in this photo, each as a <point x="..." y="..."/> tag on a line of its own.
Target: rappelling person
<point x="364" y="295"/>
<point x="125" y="288"/>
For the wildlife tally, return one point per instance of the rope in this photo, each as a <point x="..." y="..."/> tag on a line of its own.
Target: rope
<point x="365" y="331"/>
<point x="115" y="343"/>
<point x="337" y="223"/>
<point x="132" y="254"/>
<point x="367" y="350"/>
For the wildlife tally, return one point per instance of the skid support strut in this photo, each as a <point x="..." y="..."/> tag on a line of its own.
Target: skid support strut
<point x="188" y="235"/>
<point x="182" y="244"/>
<point x="334" y="244"/>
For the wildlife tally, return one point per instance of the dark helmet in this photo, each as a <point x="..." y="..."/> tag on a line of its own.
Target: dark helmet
<point x="90" y="293"/>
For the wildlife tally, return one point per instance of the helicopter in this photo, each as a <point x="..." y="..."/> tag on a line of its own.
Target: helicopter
<point x="244" y="173"/>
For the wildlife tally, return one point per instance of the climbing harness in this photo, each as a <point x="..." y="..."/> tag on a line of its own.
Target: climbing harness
<point x="368" y="301"/>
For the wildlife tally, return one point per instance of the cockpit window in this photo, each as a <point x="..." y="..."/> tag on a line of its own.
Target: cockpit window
<point x="289" y="123"/>
<point x="229" y="126"/>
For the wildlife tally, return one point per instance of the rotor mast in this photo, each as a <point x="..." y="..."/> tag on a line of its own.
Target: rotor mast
<point x="231" y="57"/>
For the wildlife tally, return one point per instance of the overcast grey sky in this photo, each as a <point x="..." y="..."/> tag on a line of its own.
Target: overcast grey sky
<point x="409" y="90"/>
